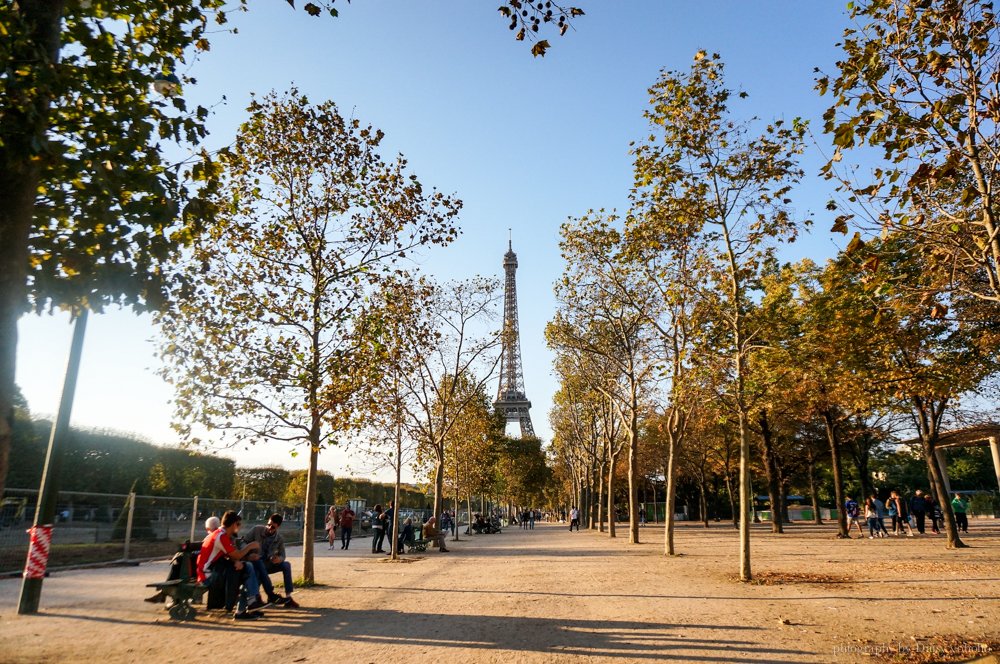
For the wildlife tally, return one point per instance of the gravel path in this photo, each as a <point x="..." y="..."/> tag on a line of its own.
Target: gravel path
<point x="549" y="595"/>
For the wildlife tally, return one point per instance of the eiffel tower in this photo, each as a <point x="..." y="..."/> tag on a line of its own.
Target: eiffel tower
<point x="511" y="400"/>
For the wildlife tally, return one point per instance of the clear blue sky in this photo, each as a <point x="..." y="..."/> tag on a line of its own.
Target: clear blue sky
<point x="525" y="142"/>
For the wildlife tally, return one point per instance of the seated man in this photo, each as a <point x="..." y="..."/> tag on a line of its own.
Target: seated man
<point x="405" y="535"/>
<point x="176" y="572"/>
<point x="271" y="559"/>
<point x="219" y="557"/>
<point x="432" y="533"/>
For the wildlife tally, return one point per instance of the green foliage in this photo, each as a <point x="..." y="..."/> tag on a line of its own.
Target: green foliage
<point x="108" y="462"/>
<point x="917" y="80"/>
<point x="295" y="490"/>
<point x="376" y="493"/>
<point x="524" y="473"/>
<point x="106" y="213"/>
<point x="268" y="336"/>
<point x="263" y="483"/>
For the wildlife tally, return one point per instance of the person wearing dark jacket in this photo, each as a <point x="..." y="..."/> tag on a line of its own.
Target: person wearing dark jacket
<point x="405" y="534"/>
<point x="935" y="513"/>
<point x="918" y="508"/>
<point x="389" y="518"/>
<point x="378" y="529"/>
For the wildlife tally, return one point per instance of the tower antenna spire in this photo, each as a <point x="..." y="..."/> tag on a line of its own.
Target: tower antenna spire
<point x="511" y="399"/>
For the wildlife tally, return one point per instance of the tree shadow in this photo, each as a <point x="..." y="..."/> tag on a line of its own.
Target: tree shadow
<point x="548" y="636"/>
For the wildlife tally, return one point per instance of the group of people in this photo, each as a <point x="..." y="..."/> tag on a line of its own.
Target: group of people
<point x="904" y="514"/>
<point x="527" y="518"/>
<point x="342" y="519"/>
<point x="384" y="526"/>
<point x="236" y="567"/>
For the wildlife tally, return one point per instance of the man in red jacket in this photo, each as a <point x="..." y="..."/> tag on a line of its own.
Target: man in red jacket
<point x="346" y="525"/>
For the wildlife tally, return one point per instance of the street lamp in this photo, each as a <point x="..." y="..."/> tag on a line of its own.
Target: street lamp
<point x="48" y="491"/>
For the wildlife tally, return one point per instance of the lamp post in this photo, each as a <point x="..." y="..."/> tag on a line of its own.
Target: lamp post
<point x="166" y="85"/>
<point x="48" y="492"/>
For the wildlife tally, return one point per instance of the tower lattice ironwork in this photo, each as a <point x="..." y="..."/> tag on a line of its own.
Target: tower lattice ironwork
<point x="511" y="399"/>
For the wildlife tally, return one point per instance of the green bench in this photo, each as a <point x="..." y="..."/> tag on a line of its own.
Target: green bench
<point x="417" y="545"/>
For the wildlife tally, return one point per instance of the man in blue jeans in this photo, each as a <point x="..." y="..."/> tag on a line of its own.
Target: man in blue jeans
<point x="271" y="560"/>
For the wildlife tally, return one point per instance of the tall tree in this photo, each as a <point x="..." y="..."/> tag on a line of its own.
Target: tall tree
<point x="267" y="337"/>
<point x="715" y="178"/>
<point x="918" y="80"/>
<point x="670" y="265"/>
<point x="924" y="364"/>
<point x="462" y="361"/>
<point x="405" y="335"/>
<point x="88" y="203"/>
<point x="601" y="314"/>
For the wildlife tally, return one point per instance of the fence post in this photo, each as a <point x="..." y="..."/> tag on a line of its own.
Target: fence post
<point x="194" y="518"/>
<point x="128" y="523"/>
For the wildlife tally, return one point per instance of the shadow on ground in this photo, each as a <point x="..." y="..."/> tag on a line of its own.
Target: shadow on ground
<point x="594" y="638"/>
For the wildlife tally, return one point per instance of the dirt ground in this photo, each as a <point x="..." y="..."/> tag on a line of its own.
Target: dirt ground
<point x="548" y="595"/>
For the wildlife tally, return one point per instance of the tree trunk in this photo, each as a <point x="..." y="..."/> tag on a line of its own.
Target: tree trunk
<point x="22" y="140"/>
<point x="670" y="496"/>
<point x="782" y="496"/>
<point x="941" y="494"/>
<point x="439" y="483"/>
<point x="767" y="454"/>
<point x="861" y="463"/>
<point x="732" y="499"/>
<point x="611" y="498"/>
<point x="703" y="500"/>
<point x="745" y="500"/>
<point x="928" y="422"/>
<point x="594" y="504"/>
<point x="633" y="477"/>
<point x="309" y="515"/>
<point x="458" y="503"/>
<point x="600" y="500"/>
<point x="394" y="544"/>
<point x="838" y="481"/>
<point x="813" y="490"/>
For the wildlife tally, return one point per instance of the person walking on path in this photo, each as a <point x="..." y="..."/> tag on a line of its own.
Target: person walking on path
<point x="447" y="523"/>
<point x="934" y="512"/>
<point x="389" y="519"/>
<point x="872" y="516"/>
<point x="531" y="519"/>
<point x="332" y="516"/>
<point x="897" y="510"/>
<point x="961" y="506"/>
<point x="378" y="530"/>
<point x="918" y="508"/>
<point x="574" y="519"/>
<point x="853" y="512"/>
<point x="346" y="526"/>
<point x="880" y="508"/>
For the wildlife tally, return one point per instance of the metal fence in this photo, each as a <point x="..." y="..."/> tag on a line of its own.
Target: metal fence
<point x="94" y="528"/>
